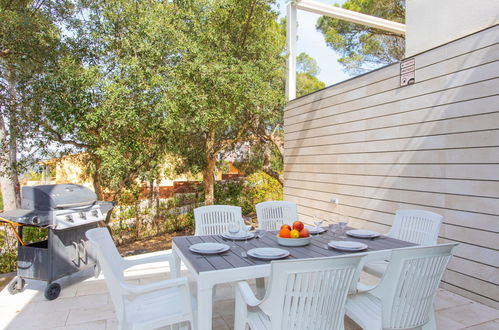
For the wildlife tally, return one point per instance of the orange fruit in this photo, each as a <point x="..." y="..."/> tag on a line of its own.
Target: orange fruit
<point x="286" y="226"/>
<point x="285" y="233"/>
<point x="294" y="233"/>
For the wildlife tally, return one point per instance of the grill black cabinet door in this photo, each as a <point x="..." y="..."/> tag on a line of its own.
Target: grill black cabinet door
<point x="69" y="251"/>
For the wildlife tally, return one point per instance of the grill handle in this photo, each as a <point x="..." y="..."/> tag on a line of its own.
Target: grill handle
<point x="76" y="257"/>
<point x="84" y="251"/>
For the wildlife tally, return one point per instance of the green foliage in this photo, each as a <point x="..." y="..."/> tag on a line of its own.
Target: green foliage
<point x="257" y="187"/>
<point x="306" y="78"/>
<point x="306" y="84"/>
<point x="307" y="64"/>
<point x="8" y="251"/>
<point x="230" y="76"/>
<point x="363" y="48"/>
<point x="228" y="192"/>
<point x="34" y="234"/>
<point x="8" y="261"/>
<point x="260" y="187"/>
<point x="107" y="93"/>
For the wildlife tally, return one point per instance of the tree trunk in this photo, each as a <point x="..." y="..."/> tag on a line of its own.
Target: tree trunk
<point x="8" y="154"/>
<point x="267" y="155"/>
<point x="13" y="128"/>
<point x="209" y="171"/>
<point x="96" y="179"/>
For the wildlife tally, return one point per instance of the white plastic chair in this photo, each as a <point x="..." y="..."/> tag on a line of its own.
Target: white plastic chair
<point x="303" y="294"/>
<point x="216" y="219"/>
<point x="404" y="297"/>
<point x="272" y="215"/>
<point x="416" y="226"/>
<point x="147" y="306"/>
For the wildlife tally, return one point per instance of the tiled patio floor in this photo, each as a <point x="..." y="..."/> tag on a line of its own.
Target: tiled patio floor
<point x="87" y="305"/>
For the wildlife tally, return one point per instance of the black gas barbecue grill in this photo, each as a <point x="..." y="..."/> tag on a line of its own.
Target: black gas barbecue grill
<point x="67" y="211"/>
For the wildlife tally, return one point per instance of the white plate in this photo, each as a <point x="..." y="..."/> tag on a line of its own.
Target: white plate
<point x="363" y="233"/>
<point x="347" y="245"/>
<point x="312" y="229"/>
<point x="268" y="253"/>
<point x="209" y="248"/>
<point x="237" y="237"/>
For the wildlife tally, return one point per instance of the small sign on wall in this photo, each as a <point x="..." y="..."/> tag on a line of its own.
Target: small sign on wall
<point x="408" y="72"/>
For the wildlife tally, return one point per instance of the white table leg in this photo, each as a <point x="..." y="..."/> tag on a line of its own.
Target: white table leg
<point x="175" y="265"/>
<point x="260" y="287"/>
<point x="205" y="306"/>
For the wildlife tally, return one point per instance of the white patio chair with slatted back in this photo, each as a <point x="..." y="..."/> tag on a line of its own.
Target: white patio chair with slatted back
<point x="303" y="294"/>
<point x="404" y="297"/>
<point x="416" y="226"/>
<point x="147" y="306"/>
<point x="273" y="214"/>
<point x="216" y="219"/>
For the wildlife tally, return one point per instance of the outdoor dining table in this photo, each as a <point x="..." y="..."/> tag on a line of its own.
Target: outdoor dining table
<point x="232" y="266"/>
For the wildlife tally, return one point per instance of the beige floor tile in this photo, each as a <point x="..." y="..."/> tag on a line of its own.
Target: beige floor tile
<point x="39" y="321"/>
<point x="112" y="324"/>
<point x="64" y="304"/>
<point x="445" y="323"/>
<point x="96" y="325"/>
<point x="446" y="299"/>
<point x="219" y="324"/>
<point x="224" y="307"/>
<point x="229" y="319"/>
<point x="469" y="314"/>
<point x="224" y="292"/>
<point x="90" y="314"/>
<point x="491" y="325"/>
<point x="91" y="288"/>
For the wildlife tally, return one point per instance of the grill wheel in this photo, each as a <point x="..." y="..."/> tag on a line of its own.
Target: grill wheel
<point x="52" y="291"/>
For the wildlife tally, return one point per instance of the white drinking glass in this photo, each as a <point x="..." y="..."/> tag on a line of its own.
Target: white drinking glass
<point x="233" y="230"/>
<point x="260" y="233"/>
<point x="343" y="225"/>
<point x="246" y="229"/>
<point x="333" y="227"/>
<point x="318" y="222"/>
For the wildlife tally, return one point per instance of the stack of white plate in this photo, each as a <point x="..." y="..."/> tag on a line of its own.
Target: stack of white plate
<point x="347" y="246"/>
<point x="209" y="248"/>
<point x="313" y="229"/>
<point x="363" y="233"/>
<point x="240" y="236"/>
<point x="268" y="253"/>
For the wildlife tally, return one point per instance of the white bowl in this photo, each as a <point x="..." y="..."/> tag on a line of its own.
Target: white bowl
<point x="294" y="241"/>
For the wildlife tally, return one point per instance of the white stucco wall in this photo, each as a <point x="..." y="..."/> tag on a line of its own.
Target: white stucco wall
<point x="431" y="23"/>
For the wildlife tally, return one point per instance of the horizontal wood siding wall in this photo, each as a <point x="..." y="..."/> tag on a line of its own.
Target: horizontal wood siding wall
<point x="433" y="145"/>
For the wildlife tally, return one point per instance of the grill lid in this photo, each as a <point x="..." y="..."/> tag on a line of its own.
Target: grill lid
<point x="56" y="196"/>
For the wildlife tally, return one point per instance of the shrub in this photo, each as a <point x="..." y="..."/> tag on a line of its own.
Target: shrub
<point x="256" y="188"/>
<point x="229" y="192"/>
<point x="259" y="187"/>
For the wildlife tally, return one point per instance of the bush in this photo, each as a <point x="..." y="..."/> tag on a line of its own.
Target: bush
<point x="229" y="192"/>
<point x="259" y="187"/>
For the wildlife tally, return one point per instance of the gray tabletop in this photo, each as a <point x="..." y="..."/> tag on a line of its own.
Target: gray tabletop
<point x="233" y="258"/>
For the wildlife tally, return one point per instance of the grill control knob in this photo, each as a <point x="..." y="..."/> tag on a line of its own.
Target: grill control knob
<point x="83" y="215"/>
<point x="35" y="220"/>
<point x="95" y="213"/>
<point x="69" y="218"/>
